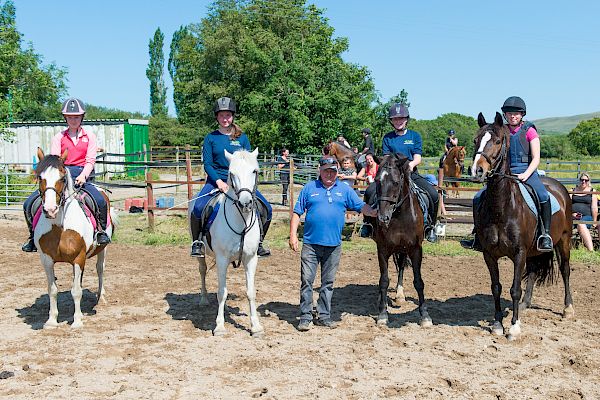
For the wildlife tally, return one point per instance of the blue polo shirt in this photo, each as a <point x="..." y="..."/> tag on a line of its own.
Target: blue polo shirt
<point x="325" y="211"/>
<point x="408" y="144"/>
<point x="215" y="163"/>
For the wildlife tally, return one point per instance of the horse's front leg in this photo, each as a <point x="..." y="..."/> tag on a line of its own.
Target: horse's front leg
<point x="400" y="261"/>
<point x="100" y="260"/>
<point x="492" y="264"/>
<point x="515" y="293"/>
<point x="76" y="291"/>
<point x="416" y="258"/>
<point x="222" y="264"/>
<point x="255" y="326"/>
<point x="48" y="264"/>
<point x="203" y="293"/>
<point x="384" y="283"/>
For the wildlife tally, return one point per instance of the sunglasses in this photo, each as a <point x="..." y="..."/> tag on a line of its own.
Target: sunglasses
<point x="327" y="160"/>
<point x="584" y="180"/>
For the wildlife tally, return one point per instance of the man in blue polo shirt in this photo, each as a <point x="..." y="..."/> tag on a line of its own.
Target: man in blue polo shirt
<point x="325" y="202"/>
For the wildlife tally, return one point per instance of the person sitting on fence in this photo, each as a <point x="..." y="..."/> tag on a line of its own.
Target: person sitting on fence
<point x="347" y="174"/>
<point x="81" y="157"/>
<point x="284" y="174"/>
<point x="228" y="136"/>
<point x="585" y="208"/>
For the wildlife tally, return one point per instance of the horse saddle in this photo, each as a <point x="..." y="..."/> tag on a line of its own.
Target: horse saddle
<point x="209" y="214"/>
<point x="86" y="201"/>
<point x="533" y="202"/>
<point x="423" y="198"/>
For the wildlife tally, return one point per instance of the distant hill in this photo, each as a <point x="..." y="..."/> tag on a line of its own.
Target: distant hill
<point x="562" y="125"/>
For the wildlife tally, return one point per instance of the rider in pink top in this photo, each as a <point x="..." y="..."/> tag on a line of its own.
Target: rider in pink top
<point x="81" y="157"/>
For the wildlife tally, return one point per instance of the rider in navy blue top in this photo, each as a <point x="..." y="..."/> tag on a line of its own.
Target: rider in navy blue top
<point x="228" y="137"/>
<point x="409" y="143"/>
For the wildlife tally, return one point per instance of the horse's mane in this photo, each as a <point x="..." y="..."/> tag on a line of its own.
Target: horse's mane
<point x="47" y="162"/>
<point x="247" y="157"/>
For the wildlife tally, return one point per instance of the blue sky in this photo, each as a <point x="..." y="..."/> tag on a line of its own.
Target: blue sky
<point x="450" y="56"/>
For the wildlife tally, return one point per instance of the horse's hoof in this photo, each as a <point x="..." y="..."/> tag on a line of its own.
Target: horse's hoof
<point x="523" y="306"/>
<point x="497" y="329"/>
<point x="426" y="322"/>
<point x="77" y="325"/>
<point x="569" y="312"/>
<point x="204" y="301"/>
<point x="50" y="325"/>
<point x="382" y="321"/>
<point x="219" y="331"/>
<point x="259" y="334"/>
<point x="515" y="331"/>
<point x="400" y="297"/>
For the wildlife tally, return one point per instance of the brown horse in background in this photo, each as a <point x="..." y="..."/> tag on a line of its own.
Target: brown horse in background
<point x="506" y="227"/>
<point x="340" y="152"/>
<point x="453" y="166"/>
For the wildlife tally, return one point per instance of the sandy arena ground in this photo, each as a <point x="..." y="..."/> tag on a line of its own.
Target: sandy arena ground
<point x="153" y="341"/>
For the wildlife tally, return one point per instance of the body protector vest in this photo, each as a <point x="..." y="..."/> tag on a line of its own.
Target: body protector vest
<point x="520" y="154"/>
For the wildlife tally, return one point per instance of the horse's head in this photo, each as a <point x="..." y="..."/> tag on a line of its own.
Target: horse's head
<point x="389" y="182"/>
<point x="328" y="149"/>
<point x="243" y="177"/>
<point x="491" y="148"/>
<point x="53" y="180"/>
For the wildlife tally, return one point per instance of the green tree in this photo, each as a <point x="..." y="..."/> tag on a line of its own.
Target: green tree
<point x="154" y="72"/>
<point x="279" y="61"/>
<point x="586" y="137"/>
<point x="28" y="89"/>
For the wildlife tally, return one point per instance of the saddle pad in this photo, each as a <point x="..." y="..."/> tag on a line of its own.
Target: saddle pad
<point x="554" y="206"/>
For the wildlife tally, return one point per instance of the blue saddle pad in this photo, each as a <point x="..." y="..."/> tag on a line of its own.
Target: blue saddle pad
<point x="554" y="206"/>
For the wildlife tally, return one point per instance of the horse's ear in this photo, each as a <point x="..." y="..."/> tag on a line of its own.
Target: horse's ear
<point x="228" y="155"/>
<point x="40" y="154"/>
<point x="498" y="120"/>
<point x="481" y="120"/>
<point x="63" y="157"/>
<point x="255" y="152"/>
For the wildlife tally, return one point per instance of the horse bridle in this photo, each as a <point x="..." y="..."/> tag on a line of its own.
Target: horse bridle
<point x="397" y="202"/>
<point x="494" y="171"/>
<point x="61" y="195"/>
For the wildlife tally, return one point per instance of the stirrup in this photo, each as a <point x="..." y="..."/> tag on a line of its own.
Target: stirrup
<point x="197" y="249"/>
<point x="366" y="230"/>
<point x="540" y="239"/>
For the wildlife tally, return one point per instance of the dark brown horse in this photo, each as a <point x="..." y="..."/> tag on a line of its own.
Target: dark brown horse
<point x="399" y="230"/>
<point x="339" y="151"/>
<point x="454" y="164"/>
<point x="506" y="227"/>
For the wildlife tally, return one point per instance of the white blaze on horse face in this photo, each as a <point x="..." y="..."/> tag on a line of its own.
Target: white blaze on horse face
<point x="383" y="175"/>
<point x="486" y="138"/>
<point x="52" y="176"/>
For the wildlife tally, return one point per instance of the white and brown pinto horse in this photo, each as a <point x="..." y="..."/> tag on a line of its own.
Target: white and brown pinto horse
<point x="235" y="235"/>
<point x="64" y="233"/>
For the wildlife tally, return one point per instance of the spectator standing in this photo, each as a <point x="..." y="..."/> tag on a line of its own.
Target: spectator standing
<point x="284" y="174"/>
<point x="325" y="202"/>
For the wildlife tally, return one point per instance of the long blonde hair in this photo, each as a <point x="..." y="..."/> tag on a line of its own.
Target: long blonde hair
<point x="237" y="132"/>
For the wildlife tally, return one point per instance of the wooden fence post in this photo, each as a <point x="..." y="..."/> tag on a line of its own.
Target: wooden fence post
<point x="150" y="196"/>
<point x="188" y="171"/>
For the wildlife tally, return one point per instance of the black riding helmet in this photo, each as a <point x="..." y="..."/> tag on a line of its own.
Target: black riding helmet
<point x="451" y="132"/>
<point x="514" y="104"/>
<point x="225" y="104"/>
<point x="398" y="110"/>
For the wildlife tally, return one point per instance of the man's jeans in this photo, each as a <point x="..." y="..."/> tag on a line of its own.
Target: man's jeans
<point x="310" y="257"/>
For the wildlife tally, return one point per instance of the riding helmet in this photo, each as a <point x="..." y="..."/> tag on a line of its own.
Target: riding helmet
<point x="73" y="106"/>
<point x="398" y="110"/>
<point x="514" y="104"/>
<point x="225" y="104"/>
<point x="451" y="132"/>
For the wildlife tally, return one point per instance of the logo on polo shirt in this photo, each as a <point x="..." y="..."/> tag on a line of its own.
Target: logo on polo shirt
<point x="84" y="139"/>
<point x="235" y="143"/>
<point x="409" y="141"/>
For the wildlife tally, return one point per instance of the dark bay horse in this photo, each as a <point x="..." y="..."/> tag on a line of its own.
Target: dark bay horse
<point x="453" y="166"/>
<point x="506" y="227"/>
<point x="340" y="152"/>
<point x="399" y="230"/>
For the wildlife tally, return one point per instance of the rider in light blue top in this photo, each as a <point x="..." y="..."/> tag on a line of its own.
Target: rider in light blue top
<point x="228" y="137"/>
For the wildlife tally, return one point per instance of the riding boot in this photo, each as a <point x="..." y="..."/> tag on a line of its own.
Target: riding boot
<point x="366" y="230"/>
<point x="430" y="234"/>
<point x="544" y="242"/>
<point x="29" y="246"/>
<point x="102" y="218"/>
<point x="262" y="252"/>
<point x="197" y="238"/>
<point x="472" y="244"/>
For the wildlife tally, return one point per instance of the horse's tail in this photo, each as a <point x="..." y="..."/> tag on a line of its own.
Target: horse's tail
<point x="544" y="268"/>
<point x="114" y="218"/>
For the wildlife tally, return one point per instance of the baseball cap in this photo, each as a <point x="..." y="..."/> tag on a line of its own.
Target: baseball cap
<point x="328" y="163"/>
